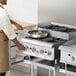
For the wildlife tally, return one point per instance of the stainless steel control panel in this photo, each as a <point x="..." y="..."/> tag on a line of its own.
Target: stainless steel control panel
<point x="42" y="51"/>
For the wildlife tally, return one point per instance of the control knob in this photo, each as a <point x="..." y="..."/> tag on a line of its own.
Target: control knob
<point x="49" y="53"/>
<point x="33" y="49"/>
<point x="41" y="51"/>
<point x="72" y="58"/>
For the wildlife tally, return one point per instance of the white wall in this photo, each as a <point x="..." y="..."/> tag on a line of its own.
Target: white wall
<point x="23" y="10"/>
<point x="61" y="11"/>
<point x="38" y="11"/>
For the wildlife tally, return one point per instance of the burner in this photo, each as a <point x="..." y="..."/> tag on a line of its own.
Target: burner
<point x="52" y="39"/>
<point x="58" y="28"/>
<point x="46" y="26"/>
<point x="71" y="29"/>
<point x="62" y="29"/>
<point x="48" y="39"/>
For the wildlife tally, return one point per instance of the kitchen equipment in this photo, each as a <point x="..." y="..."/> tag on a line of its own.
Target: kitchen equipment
<point x="68" y="57"/>
<point x="48" y="48"/>
<point x="60" y="30"/>
<point x="45" y="68"/>
<point x="38" y="33"/>
<point x="45" y="48"/>
<point x="68" y="70"/>
<point x="39" y="66"/>
<point x="68" y="52"/>
<point x="13" y="49"/>
<point x="71" y="73"/>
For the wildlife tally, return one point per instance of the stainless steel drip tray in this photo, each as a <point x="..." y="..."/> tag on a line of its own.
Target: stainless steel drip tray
<point x="68" y="67"/>
<point x="40" y="61"/>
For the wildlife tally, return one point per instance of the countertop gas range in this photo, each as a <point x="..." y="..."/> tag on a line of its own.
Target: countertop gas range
<point x="62" y="31"/>
<point x="68" y="57"/>
<point x="47" y="48"/>
<point x="68" y="53"/>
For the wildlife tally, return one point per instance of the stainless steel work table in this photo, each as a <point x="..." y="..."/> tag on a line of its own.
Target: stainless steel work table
<point x="37" y="62"/>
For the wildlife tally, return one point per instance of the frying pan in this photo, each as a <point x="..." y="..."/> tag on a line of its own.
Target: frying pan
<point x="38" y="33"/>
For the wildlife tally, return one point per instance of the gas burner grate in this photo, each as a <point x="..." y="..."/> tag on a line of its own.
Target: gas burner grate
<point x="49" y="39"/>
<point x="52" y="39"/>
<point x="58" y="28"/>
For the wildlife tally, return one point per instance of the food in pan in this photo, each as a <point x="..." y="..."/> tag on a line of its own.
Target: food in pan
<point x="38" y="33"/>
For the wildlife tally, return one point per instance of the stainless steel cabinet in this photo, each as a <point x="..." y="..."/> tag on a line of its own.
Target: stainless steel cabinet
<point x="69" y="73"/>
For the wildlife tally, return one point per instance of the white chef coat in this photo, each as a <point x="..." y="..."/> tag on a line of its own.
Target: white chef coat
<point x="5" y="24"/>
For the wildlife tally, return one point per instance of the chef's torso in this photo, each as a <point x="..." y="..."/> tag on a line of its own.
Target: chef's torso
<point x="6" y="32"/>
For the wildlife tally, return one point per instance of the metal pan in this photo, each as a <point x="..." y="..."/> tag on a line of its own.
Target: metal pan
<point x="38" y="33"/>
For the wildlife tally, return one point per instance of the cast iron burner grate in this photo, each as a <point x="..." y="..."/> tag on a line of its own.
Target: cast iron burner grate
<point x="58" y="28"/>
<point x="49" y="39"/>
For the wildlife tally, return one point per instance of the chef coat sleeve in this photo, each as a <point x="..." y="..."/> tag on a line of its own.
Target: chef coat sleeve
<point x="6" y="26"/>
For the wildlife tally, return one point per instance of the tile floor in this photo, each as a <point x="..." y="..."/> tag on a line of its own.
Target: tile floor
<point x="18" y="70"/>
<point x="18" y="73"/>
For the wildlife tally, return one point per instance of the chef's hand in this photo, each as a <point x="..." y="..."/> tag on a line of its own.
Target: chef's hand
<point x="21" y="47"/>
<point x="19" y="27"/>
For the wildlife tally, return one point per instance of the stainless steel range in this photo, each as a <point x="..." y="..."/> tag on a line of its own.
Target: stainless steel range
<point x="68" y="52"/>
<point x="47" y="48"/>
<point x="68" y="57"/>
<point x="52" y="47"/>
<point x="62" y="31"/>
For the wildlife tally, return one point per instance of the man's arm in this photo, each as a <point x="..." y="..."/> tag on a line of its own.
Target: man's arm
<point x="18" y="44"/>
<point x="9" y="32"/>
<point x="19" y="27"/>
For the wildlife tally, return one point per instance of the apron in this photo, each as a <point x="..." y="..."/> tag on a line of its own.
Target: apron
<point x="4" y="53"/>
